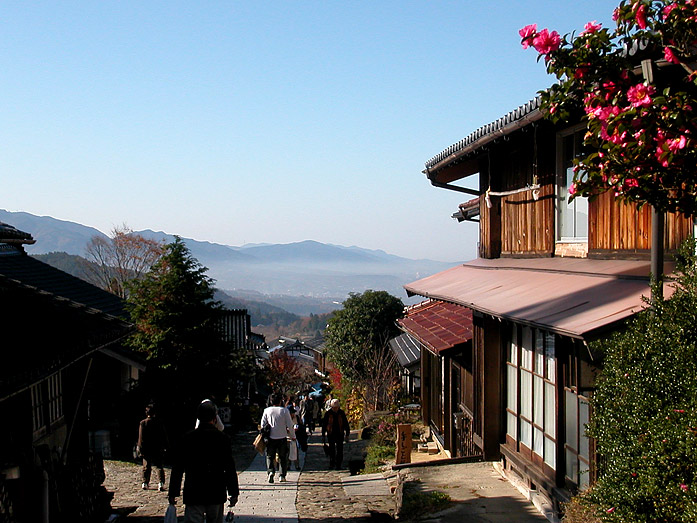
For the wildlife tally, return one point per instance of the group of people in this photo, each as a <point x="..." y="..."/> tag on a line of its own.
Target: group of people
<point x="303" y="417"/>
<point x="204" y="455"/>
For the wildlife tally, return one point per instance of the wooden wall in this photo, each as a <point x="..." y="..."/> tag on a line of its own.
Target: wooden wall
<point x="517" y="224"/>
<point x="616" y="229"/>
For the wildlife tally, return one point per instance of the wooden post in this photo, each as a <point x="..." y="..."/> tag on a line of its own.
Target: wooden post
<point x="403" y="444"/>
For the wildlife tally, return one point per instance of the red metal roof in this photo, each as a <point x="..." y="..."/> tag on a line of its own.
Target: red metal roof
<point x="570" y="296"/>
<point x="438" y="325"/>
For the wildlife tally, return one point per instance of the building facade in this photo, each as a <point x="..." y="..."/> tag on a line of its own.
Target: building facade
<point x="551" y="276"/>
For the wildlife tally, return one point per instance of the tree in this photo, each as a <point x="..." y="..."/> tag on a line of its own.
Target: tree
<point x="357" y="339"/>
<point x="122" y="257"/>
<point x="636" y="88"/>
<point x="284" y="374"/>
<point x="176" y="317"/>
<point x="645" y="410"/>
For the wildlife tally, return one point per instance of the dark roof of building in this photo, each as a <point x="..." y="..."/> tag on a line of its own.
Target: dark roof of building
<point x="407" y="349"/>
<point x="316" y="343"/>
<point x="48" y="333"/>
<point x="9" y="234"/>
<point x="468" y="210"/>
<point x="503" y="126"/>
<point x="57" y="318"/>
<point x="438" y="325"/>
<point x="17" y="266"/>
<point x="577" y="297"/>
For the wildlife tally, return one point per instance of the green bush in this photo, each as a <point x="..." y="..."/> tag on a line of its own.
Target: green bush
<point x="376" y="456"/>
<point x="645" y="410"/>
<point x="416" y="504"/>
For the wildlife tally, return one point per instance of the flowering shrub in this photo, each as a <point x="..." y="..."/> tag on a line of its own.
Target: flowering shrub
<point x="641" y="122"/>
<point x="385" y="432"/>
<point x="645" y="411"/>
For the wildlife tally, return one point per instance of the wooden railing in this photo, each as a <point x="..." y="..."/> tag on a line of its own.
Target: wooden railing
<point x="464" y="434"/>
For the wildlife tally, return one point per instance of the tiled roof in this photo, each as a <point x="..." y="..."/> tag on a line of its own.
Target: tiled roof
<point x="46" y="333"/>
<point x="406" y="349"/>
<point x="505" y="125"/>
<point x="9" y="234"/>
<point x="23" y="269"/>
<point x="438" y="325"/>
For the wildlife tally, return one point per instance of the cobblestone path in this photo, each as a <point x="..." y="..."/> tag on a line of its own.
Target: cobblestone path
<point x="323" y="498"/>
<point x="312" y="495"/>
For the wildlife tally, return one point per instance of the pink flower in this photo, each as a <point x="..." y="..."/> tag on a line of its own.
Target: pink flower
<point x="631" y="182"/>
<point x="572" y="189"/>
<point x="641" y="16"/>
<point x="676" y="144"/>
<point x="683" y="487"/>
<point x="668" y="9"/>
<point x="640" y="95"/>
<point x="526" y="34"/>
<point x="591" y="27"/>
<point x="616" y="14"/>
<point x="670" y="56"/>
<point x="610" y="510"/>
<point x="545" y="42"/>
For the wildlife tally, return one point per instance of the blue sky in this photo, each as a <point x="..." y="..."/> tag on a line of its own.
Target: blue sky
<point x="247" y="122"/>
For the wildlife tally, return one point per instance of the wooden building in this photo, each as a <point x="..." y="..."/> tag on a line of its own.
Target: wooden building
<point x="444" y="333"/>
<point x="61" y="334"/>
<point x="407" y="350"/>
<point x="551" y="276"/>
<point x="308" y="354"/>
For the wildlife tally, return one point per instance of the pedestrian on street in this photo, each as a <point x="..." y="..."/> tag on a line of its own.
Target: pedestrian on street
<point x="294" y="445"/>
<point x="152" y="442"/>
<point x="308" y="412"/>
<point x="218" y="422"/>
<point x="335" y="427"/>
<point x="278" y="419"/>
<point x="205" y="456"/>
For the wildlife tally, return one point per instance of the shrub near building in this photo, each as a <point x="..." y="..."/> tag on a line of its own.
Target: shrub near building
<point x="645" y="410"/>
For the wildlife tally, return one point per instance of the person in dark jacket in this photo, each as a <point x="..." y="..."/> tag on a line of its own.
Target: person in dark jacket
<point x="152" y="442"/>
<point x="335" y="425"/>
<point x="205" y="456"/>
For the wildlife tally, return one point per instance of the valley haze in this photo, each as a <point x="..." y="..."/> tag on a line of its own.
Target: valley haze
<point x="308" y="268"/>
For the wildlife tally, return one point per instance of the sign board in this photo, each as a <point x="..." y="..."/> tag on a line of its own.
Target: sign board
<point x="403" y="444"/>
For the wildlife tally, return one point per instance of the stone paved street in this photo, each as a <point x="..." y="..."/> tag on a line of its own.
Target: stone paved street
<point x="322" y="496"/>
<point x="311" y="495"/>
<point x="318" y="495"/>
<point x="264" y="501"/>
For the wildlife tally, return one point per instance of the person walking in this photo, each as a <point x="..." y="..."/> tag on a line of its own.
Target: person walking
<point x="278" y="419"/>
<point x="152" y="442"/>
<point x="334" y="426"/>
<point x="205" y="456"/>
<point x="308" y="412"/>
<point x="218" y="422"/>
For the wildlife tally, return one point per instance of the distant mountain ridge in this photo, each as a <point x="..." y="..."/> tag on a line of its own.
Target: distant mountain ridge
<point x="306" y="268"/>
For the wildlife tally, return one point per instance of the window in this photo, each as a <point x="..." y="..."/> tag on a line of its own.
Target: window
<point x="530" y="394"/>
<point x="572" y="216"/>
<point x="46" y="404"/>
<point x="579" y="378"/>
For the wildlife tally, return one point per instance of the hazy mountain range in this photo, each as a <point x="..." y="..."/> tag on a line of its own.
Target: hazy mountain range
<point x="308" y="268"/>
